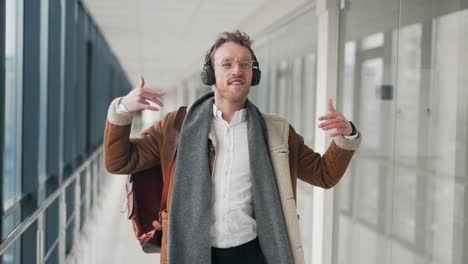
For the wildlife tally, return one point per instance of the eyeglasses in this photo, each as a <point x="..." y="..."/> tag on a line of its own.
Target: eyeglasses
<point x="228" y="63"/>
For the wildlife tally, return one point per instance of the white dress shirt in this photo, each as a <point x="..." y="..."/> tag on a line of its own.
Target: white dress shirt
<point x="232" y="221"/>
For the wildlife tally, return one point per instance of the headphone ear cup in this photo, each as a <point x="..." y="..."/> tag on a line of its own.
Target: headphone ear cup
<point x="256" y="74"/>
<point x="207" y="75"/>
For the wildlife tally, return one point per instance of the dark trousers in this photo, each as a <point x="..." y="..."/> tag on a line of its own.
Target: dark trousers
<point x="248" y="253"/>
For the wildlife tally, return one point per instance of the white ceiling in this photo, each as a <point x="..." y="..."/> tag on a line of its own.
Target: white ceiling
<point x="160" y="39"/>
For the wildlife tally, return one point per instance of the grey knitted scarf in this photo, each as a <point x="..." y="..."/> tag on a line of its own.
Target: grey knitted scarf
<point x="190" y="207"/>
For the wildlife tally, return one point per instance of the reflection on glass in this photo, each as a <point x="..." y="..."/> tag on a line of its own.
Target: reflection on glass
<point x="371" y="77"/>
<point x="348" y="79"/>
<point x="12" y="255"/>
<point x="273" y="105"/>
<point x="409" y="90"/>
<point x="308" y="105"/>
<point x="283" y="85"/>
<point x="372" y="41"/>
<point x="344" y="193"/>
<point x="368" y="192"/>
<point x="404" y="205"/>
<point x="304" y="205"/>
<point x="295" y="91"/>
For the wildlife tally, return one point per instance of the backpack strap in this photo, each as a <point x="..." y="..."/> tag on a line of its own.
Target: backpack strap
<point x="180" y="116"/>
<point x="179" y="119"/>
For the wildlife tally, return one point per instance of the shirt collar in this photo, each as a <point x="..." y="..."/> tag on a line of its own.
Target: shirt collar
<point x="239" y="116"/>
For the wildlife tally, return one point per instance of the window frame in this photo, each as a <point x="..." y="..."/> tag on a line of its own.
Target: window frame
<point x="2" y="95"/>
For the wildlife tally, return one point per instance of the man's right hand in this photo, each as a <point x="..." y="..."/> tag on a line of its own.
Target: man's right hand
<point x="137" y="99"/>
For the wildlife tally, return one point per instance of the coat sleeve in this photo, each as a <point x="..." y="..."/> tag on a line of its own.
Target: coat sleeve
<point x="321" y="170"/>
<point x="123" y="155"/>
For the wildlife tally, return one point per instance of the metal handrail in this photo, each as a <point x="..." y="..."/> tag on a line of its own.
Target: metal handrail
<point x="16" y="234"/>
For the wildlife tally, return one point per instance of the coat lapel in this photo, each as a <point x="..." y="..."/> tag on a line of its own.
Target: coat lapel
<point x="278" y="133"/>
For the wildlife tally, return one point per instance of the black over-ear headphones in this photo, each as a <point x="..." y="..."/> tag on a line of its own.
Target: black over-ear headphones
<point x="208" y="75"/>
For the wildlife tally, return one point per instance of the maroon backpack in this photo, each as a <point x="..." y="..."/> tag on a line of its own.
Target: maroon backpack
<point x="147" y="198"/>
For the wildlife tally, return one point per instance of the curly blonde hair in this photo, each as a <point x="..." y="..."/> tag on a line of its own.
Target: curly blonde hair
<point x="237" y="36"/>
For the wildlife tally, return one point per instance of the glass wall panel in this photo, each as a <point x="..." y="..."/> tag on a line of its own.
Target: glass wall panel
<point x="403" y="77"/>
<point x="13" y="103"/>
<point x="53" y="86"/>
<point x="431" y="134"/>
<point x="12" y="173"/>
<point x="44" y="29"/>
<point x="366" y="88"/>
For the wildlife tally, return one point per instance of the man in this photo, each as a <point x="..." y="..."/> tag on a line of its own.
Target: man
<point x="234" y="183"/>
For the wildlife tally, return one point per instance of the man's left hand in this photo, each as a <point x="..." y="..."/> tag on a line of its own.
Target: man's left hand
<point x="335" y="120"/>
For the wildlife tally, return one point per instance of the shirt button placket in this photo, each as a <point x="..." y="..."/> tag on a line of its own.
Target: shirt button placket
<point x="228" y="170"/>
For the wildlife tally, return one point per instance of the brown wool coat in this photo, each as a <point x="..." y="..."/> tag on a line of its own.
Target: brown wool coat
<point x="157" y="144"/>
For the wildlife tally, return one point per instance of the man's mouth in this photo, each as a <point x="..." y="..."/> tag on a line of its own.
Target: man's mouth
<point x="236" y="82"/>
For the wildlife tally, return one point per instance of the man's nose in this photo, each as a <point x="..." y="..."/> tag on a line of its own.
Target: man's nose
<point x="236" y="68"/>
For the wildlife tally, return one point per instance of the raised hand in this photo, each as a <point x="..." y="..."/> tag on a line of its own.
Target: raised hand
<point x="335" y="120"/>
<point x="138" y="98"/>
